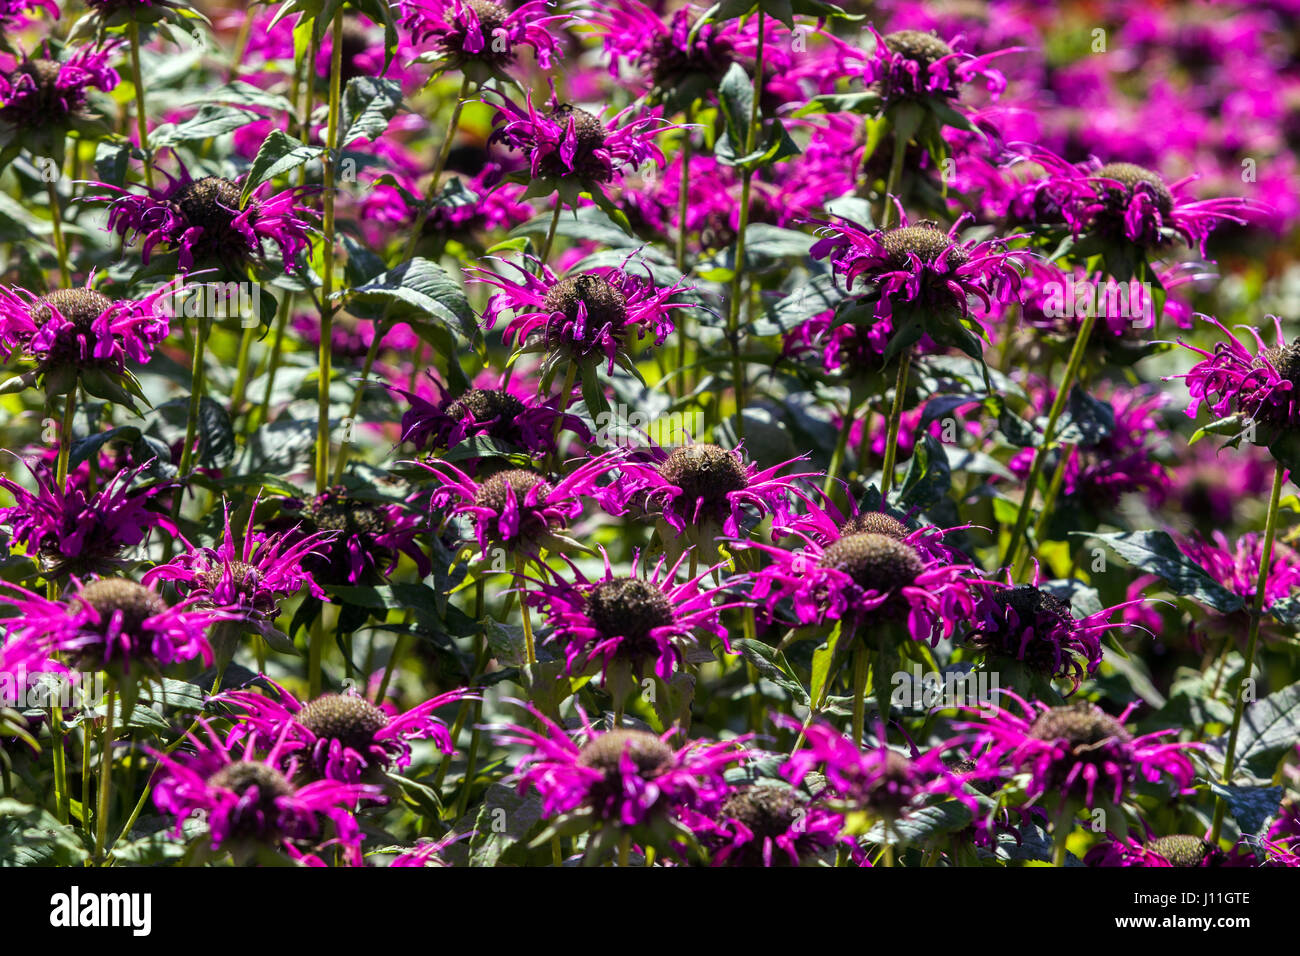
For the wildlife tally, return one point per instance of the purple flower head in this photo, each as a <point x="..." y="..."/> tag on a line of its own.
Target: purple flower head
<point x="1259" y="386"/>
<point x="341" y="737"/>
<point x="645" y="621"/>
<point x="587" y="318"/>
<point x="428" y="852"/>
<point x="517" y="509"/>
<point x="620" y="778"/>
<point x="1078" y="752"/>
<point x="1123" y="204"/>
<point x="252" y="803"/>
<point x="69" y="531"/>
<point x="370" y="537"/>
<point x="660" y="57"/>
<point x="73" y="335"/>
<point x="470" y="35"/>
<point x="566" y="142"/>
<point x="1176" y="850"/>
<point x="44" y="94"/>
<point x="249" y="579"/>
<point x="702" y="489"/>
<point x="115" y="624"/>
<point x="908" y="64"/>
<point x="880" y="780"/>
<point x="1029" y="623"/>
<point x="885" y="576"/>
<point x="920" y="278"/>
<point x="509" y="413"/>
<point x="768" y="824"/>
<point x="205" y="222"/>
<point x="1236" y="566"/>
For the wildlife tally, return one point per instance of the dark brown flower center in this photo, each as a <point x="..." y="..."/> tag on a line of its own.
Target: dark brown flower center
<point x="875" y="522"/>
<point x="351" y="720"/>
<point x="606" y="305"/>
<point x="483" y="405"/>
<point x="79" y="306"/>
<point x="650" y="755"/>
<point x="1083" y="725"/>
<point x="875" y="562"/>
<point x="587" y="128"/>
<point x="924" y="241"/>
<point x="333" y="511"/>
<point x="1030" y="602"/>
<point x="924" y="48"/>
<point x="492" y="492"/>
<point x="628" y="607"/>
<point x="706" y="473"/>
<point x="210" y="202"/>
<point x="136" y="602"/>
<point x="237" y="777"/>
<point x="1286" y="359"/>
<point x="767" y="810"/>
<point x="491" y="16"/>
<point x="239" y="572"/>
<point x="1181" y="850"/>
<point x="1131" y="176"/>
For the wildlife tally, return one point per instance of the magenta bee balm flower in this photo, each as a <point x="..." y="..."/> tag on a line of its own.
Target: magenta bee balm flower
<point x="342" y="737"/>
<point x="1258" y="386"/>
<point x="772" y="825"/>
<point x="67" y="531"/>
<point x="41" y="99"/>
<point x="589" y="318"/>
<point x="252" y="803"/>
<point x="466" y="34"/>
<point x="1079" y="752"/>
<point x="644" y="621"/>
<point x="620" y="778"/>
<point x="204" y="221"/>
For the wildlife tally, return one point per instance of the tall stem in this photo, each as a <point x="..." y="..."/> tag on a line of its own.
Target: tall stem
<point x="327" y="269"/>
<point x="241" y="378"/>
<point x="550" y="233"/>
<point x="192" y="419"/>
<point x="1049" y="433"/>
<point x="737" y="275"/>
<point x="1044" y="513"/>
<point x="895" y="177"/>
<point x="277" y="350"/>
<point x="861" y="665"/>
<point x="62" y="799"/>
<point x="1252" y="643"/>
<point x="895" y="421"/>
<point x="141" y="117"/>
<point x="65" y="438"/>
<point x="105" y="770"/>
<point x="56" y="225"/>
<point x="837" y="456"/>
<point x="683" y="206"/>
<point x="529" y="649"/>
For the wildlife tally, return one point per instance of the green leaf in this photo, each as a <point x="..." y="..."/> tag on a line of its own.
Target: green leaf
<point x="416" y="289"/>
<point x="921" y="825"/>
<point x="506" y="820"/>
<point x="1269" y="728"/>
<point x="369" y="103"/>
<point x="278" y="154"/>
<point x="31" y="836"/>
<point x="772" y="664"/>
<point x="1251" y="807"/>
<point x="210" y="121"/>
<point x="928" y="475"/>
<point x="1158" y="553"/>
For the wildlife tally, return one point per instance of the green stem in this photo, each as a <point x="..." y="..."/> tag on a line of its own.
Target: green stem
<point x="105" y="772"/>
<point x="837" y="456"/>
<point x="1044" y="513"/>
<point x="65" y="438"/>
<point x="62" y="799"/>
<point x="141" y="117"/>
<point x="371" y="354"/>
<point x="241" y="378"/>
<point x="888" y="211"/>
<point x="1049" y="433"/>
<point x="523" y="606"/>
<point x="550" y="233"/>
<point x="315" y="651"/>
<point x="1252" y="644"/>
<point x="861" y="665"/>
<point x="327" y="268"/>
<point x="566" y="395"/>
<point x="192" y="419"/>
<point x="683" y="207"/>
<point x="1061" y="835"/>
<point x="277" y="350"/>
<point x="56" y="224"/>
<point x="624" y="849"/>
<point x="895" y="421"/>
